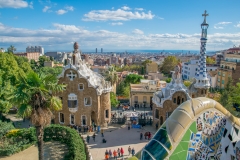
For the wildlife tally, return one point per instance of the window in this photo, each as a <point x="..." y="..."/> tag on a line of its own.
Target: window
<point x="135" y="99"/>
<point x="161" y="120"/>
<point x="219" y="73"/>
<point x="72" y="120"/>
<point x="107" y="113"/>
<point x="182" y="100"/>
<point x="222" y="81"/>
<point x="84" y="120"/>
<point x="72" y="103"/>
<point x="61" y="117"/>
<point x="157" y="113"/>
<point x="201" y="91"/>
<point x="174" y="100"/>
<point x="87" y="101"/>
<point x="81" y="86"/>
<point x="144" y="99"/>
<point x="178" y="100"/>
<point x="218" y="79"/>
<point x="223" y="75"/>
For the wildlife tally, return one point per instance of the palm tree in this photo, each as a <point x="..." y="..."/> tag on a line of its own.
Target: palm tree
<point x="34" y="96"/>
<point x="11" y="49"/>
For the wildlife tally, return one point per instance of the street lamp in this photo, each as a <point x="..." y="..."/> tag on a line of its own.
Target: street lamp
<point x="144" y="106"/>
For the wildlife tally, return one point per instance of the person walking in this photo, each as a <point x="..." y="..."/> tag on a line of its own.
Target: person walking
<point x="141" y="136"/>
<point x="145" y="135"/>
<point x="110" y="154"/>
<point x="88" y="138"/>
<point x="102" y="132"/>
<point x="149" y="135"/>
<point x="129" y="150"/>
<point x="133" y="151"/>
<point x="94" y="135"/>
<point x="119" y="152"/>
<point x="128" y="126"/>
<point x="106" y="155"/>
<point x="122" y="151"/>
<point x="156" y="126"/>
<point x="115" y="154"/>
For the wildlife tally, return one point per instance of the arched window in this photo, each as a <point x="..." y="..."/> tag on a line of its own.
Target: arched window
<point x="182" y="100"/>
<point x="174" y="100"/>
<point x="178" y="100"/>
<point x="161" y="120"/>
<point x="201" y="91"/>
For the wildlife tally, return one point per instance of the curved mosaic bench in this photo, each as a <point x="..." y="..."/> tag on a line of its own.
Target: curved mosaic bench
<point x="200" y="128"/>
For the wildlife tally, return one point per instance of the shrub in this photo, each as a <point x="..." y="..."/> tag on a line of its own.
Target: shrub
<point x="133" y="158"/>
<point x="5" y="128"/>
<point x="68" y="136"/>
<point x="12" y="132"/>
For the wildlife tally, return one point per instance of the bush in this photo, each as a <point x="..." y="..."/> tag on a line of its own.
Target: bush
<point x="5" y="128"/>
<point x="68" y="136"/>
<point x="17" y="140"/>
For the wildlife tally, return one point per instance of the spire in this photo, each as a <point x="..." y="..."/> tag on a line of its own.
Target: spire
<point x="201" y="76"/>
<point x="76" y="57"/>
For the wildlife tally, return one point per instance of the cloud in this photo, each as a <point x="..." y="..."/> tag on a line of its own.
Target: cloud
<point x="61" y="11"/>
<point x="116" y="15"/>
<point x="69" y="8"/>
<point x="221" y="25"/>
<point x="126" y="8"/>
<point x="31" y="5"/>
<point x="46" y="8"/>
<point x="139" y="9"/>
<point x="14" y="4"/>
<point x="116" y="23"/>
<point x="62" y="36"/>
<point x="237" y="25"/>
<point x="137" y="31"/>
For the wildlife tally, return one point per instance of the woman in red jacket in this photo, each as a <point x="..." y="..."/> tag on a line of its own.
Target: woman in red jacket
<point x="122" y="151"/>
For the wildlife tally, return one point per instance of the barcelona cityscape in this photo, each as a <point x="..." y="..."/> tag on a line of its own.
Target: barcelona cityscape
<point x="119" y="80"/>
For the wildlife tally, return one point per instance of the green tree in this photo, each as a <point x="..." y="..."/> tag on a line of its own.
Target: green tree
<point x="209" y="60"/>
<point x="168" y="80"/>
<point x="23" y="63"/>
<point x="51" y="70"/>
<point x="34" y="66"/>
<point x="133" y="78"/>
<point x="42" y="59"/>
<point x="113" y="99"/>
<point x="168" y="64"/>
<point x="187" y="83"/>
<point x="34" y="96"/>
<point x="11" y="49"/>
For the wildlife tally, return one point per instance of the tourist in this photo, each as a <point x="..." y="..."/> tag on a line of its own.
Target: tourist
<point x="94" y="137"/>
<point x="128" y="126"/>
<point x="110" y="154"/>
<point x="156" y="126"/>
<point x="133" y="151"/>
<point x="115" y="154"/>
<point x="129" y="150"/>
<point x="98" y="129"/>
<point x="88" y="138"/>
<point x="122" y="151"/>
<point x="141" y="136"/>
<point x="95" y="127"/>
<point x="119" y="152"/>
<point x="102" y="132"/>
<point x="79" y="129"/>
<point x="145" y="135"/>
<point x="149" y="135"/>
<point x="104" y="140"/>
<point x="106" y="155"/>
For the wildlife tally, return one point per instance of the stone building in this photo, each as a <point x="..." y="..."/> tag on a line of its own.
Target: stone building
<point x="152" y="67"/>
<point x="175" y="93"/>
<point x="86" y="98"/>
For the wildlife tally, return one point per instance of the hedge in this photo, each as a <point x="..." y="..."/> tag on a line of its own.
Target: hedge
<point x="68" y="136"/>
<point x="17" y="140"/>
<point x="5" y="127"/>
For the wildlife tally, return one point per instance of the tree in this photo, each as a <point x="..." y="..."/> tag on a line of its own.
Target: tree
<point x="11" y="49"/>
<point x="42" y="59"/>
<point x="51" y="70"/>
<point x="34" y="96"/>
<point x="168" y="80"/>
<point x="209" y="60"/>
<point x="113" y="99"/>
<point x="187" y="83"/>
<point x="133" y="78"/>
<point x="168" y="64"/>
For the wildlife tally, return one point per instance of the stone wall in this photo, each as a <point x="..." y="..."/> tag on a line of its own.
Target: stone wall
<point x="105" y="105"/>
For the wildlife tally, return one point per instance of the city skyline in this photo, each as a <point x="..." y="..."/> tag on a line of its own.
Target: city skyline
<point x="119" y="25"/>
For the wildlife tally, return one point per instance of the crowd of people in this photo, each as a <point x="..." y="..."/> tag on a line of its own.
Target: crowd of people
<point x="109" y="154"/>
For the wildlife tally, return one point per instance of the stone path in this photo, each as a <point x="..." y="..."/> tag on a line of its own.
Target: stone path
<point x="118" y="137"/>
<point x="52" y="151"/>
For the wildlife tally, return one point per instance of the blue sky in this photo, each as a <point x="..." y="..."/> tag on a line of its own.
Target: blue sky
<point x="118" y="25"/>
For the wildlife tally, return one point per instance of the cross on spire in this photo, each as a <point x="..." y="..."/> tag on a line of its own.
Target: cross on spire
<point x="71" y="75"/>
<point x="205" y="15"/>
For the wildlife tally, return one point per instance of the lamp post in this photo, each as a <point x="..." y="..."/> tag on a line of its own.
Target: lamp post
<point x="144" y="106"/>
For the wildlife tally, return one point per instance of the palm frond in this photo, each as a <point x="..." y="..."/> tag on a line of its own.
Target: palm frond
<point x="55" y="103"/>
<point x="24" y="110"/>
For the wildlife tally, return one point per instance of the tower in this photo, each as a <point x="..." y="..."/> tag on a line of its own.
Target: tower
<point x="202" y="82"/>
<point x="96" y="50"/>
<point x="101" y="50"/>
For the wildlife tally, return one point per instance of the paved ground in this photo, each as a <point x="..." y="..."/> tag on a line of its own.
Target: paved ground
<point x="118" y="137"/>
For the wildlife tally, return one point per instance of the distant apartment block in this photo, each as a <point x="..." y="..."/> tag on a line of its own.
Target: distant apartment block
<point x="229" y="67"/>
<point x="31" y="49"/>
<point x="29" y="56"/>
<point x="152" y="67"/>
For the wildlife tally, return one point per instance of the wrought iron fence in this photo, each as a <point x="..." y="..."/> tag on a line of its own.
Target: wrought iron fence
<point x="118" y="120"/>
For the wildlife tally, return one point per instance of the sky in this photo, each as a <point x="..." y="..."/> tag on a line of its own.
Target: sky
<point x="118" y="25"/>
